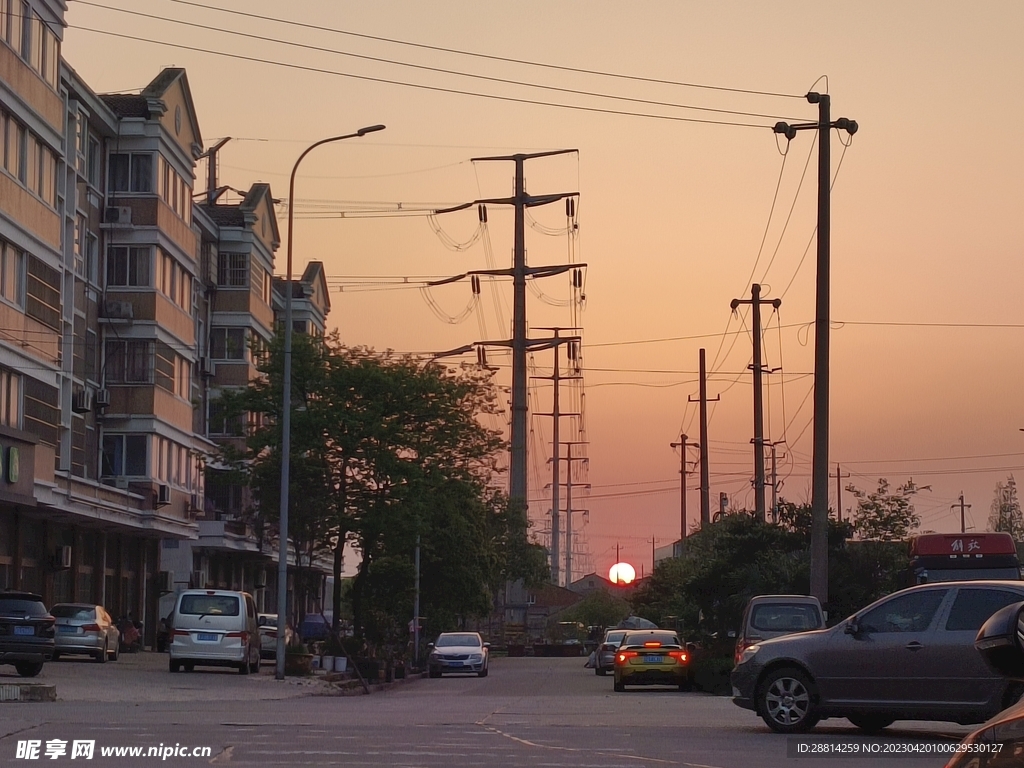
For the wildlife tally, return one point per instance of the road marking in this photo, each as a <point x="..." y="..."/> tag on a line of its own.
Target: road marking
<point x="528" y="743"/>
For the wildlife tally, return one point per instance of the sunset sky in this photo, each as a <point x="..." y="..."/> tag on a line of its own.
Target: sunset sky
<point x="926" y="213"/>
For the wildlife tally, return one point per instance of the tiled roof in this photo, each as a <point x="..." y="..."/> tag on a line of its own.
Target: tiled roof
<point x="225" y="215"/>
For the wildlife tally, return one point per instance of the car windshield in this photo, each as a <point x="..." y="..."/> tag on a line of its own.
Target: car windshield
<point x="642" y="638"/>
<point x="73" y="612"/>
<point x="209" y="605"/>
<point x="793" y="617"/>
<point x="16" y="607"/>
<point x="449" y="641"/>
<point x="268" y="621"/>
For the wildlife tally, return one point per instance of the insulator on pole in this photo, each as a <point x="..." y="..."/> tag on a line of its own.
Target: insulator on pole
<point x="570" y="207"/>
<point x="577" y="278"/>
<point x="474" y="281"/>
<point x="482" y="213"/>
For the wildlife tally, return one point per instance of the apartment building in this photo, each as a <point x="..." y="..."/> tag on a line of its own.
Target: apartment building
<point x="125" y="308"/>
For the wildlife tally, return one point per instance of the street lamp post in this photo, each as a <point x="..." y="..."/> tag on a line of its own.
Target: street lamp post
<point x="286" y="410"/>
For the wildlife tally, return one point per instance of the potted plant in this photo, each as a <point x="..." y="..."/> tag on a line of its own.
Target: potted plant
<point x="298" y="660"/>
<point x="334" y="657"/>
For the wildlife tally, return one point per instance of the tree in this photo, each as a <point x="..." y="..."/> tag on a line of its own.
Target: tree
<point x="1005" y="514"/>
<point x="885" y="515"/>
<point x="600" y="608"/>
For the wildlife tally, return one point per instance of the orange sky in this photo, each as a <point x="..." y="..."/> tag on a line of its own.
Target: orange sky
<point x="926" y="212"/>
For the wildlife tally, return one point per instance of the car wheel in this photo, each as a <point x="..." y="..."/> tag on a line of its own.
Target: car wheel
<point x="29" y="668"/>
<point x="785" y="701"/>
<point x="434" y="672"/>
<point x="174" y="666"/>
<point x="101" y="657"/>
<point x="189" y="666"/>
<point x="685" y="686"/>
<point x="619" y="687"/>
<point x="243" y="668"/>
<point x="254" y="665"/>
<point x="482" y="672"/>
<point x="871" y="723"/>
<point x="56" y="655"/>
<point x="116" y="653"/>
<point x="600" y="671"/>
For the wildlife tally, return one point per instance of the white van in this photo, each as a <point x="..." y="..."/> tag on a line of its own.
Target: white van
<point x="214" y="627"/>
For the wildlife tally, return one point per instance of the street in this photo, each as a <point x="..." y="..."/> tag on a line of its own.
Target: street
<point x="527" y="712"/>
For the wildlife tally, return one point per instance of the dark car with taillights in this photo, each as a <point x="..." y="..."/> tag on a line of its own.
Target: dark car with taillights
<point x="26" y="632"/>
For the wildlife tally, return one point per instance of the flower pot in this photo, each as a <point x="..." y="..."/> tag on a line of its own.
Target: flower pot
<point x="298" y="664"/>
<point x="340" y="664"/>
<point x="327" y="663"/>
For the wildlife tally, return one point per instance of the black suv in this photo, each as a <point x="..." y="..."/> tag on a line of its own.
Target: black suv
<point x="26" y="632"/>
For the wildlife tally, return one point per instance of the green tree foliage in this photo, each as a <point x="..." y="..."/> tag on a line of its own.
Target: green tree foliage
<point x="1005" y="514"/>
<point x="600" y="608"/>
<point x="386" y="449"/>
<point x="886" y="515"/>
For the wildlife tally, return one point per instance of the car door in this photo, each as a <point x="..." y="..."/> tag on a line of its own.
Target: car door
<point x="880" y="664"/>
<point x="961" y="675"/>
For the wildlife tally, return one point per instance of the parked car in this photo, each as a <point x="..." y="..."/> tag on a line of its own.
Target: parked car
<point x="604" y="658"/>
<point x="314" y="627"/>
<point x="768" y="616"/>
<point x="26" y="632"/>
<point x="268" y="635"/>
<point x="82" y="628"/>
<point x="998" y="743"/>
<point x="908" y="656"/>
<point x="651" y="657"/>
<point x="458" y="652"/>
<point x="214" y="627"/>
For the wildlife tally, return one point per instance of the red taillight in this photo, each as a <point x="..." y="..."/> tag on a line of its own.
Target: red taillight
<point x="179" y="633"/>
<point x="679" y="656"/>
<point x="91" y="628"/>
<point x="623" y="656"/>
<point x="243" y="635"/>
<point x="740" y="648"/>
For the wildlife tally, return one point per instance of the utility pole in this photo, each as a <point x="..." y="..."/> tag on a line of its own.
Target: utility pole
<point x="705" y="472"/>
<point x="819" y="460"/>
<point x="556" y="414"/>
<point x="416" y="610"/>
<point x="756" y="301"/>
<point x="653" y="554"/>
<point x="682" y="445"/>
<point x="839" y="476"/>
<point x="963" y="512"/>
<point x="521" y="201"/>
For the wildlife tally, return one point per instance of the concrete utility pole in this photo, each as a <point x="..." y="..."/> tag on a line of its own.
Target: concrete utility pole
<point x="556" y="416"/>
<point x="521" y="201"/>
<point x="839" y="476"/>
<point x="963" y="512"/>
<point x="705" y="472"/>
<point x="682" y="445"/>
<point x="819" y="461"/>
<point x="416" y="609"/>
<point x="758" y="441"/>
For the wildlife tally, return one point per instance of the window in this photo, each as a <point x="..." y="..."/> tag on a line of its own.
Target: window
<point x="233" y="270"/>
<point x="79" y="245"/>
<point x="128" y="362"/>
<point x="124" y="455"/>
<point x="227" y="343"/>
<point x="81" y="130"/>
<point x="11" y="260"/>
<point x="221" y="423"/>
<point x="42" y="293"/>
<point x="127" y="266"/>
<point x="164" y="367"/>
<point x="183" y="377"/>
<point x="10" y="399"/>
<point x="92" y="248"/>
<point x="973" y="607"/>
<point x="906" y="613"/>
<point x="131" y="172"/>
<point x="92" y="160"/>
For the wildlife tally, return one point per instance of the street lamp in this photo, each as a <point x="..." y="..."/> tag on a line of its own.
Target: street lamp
<point x="286" y="409"/>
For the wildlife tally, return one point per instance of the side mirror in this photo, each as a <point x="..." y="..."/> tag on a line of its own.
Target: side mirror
<point x="487" y="645"/>
<point x="732" y="633"/>
<point x="852" y="627"/>
<point x="1000" y="642"/>
<point x="430" y="645"/>
<point x="691" y="647"/>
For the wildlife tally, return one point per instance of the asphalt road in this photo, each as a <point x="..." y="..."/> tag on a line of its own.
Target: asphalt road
<point x="527" y="712"/>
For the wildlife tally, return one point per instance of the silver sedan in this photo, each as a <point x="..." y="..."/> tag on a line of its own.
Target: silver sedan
<point x="82" y="628"/>
<point x="458" y="652"/>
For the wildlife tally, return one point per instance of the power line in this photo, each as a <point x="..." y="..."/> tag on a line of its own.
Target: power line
<point x="438" y="70"/>
<point x="490" y="57"/>
<point x="420" y="86"/>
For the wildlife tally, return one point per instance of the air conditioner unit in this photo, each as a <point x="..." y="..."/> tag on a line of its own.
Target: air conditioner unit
<point x="118" y="214"/>
<point x="198" y="581"/>
<point x="102" y="398"/>
<point x="82" y="401"/>
<point x="163" y="495"/>
<point x="121" y="482"/>
<point x="260" y="580"/>
<point x="118" y="310"/>
<point x="62" y="558"/>
<point x="207" y="367"/>
<point x="165" y="581"/>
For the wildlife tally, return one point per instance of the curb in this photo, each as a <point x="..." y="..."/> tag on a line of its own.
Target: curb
<point x="28" y="692"/>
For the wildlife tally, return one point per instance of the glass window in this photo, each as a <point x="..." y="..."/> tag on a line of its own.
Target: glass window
<point x="233" y="270"/>
<point x="124" y="455"/>
<point x="227" y="343"/>
<point x="785" y="618"/>
<point x="83" y="612"/>
<point x="209" y="605"/>
<point x="131" y="172"/>
<point x="905" y="613"/>
<point x="128" y="266"/>
<point x="35" y="42"/>
<point x="973" y="607"/>
<point x="93" y="160"/>
<point x="459" y="640"/>
<point x="10" y="272"/>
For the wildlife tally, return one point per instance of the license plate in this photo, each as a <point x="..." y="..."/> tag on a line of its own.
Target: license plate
<point x="207" y="637"/>
<point x="24" y="630"/>
<point x="652" y="659"/>
<point x="454" y="663"/>
<point x="67" y="630"/>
